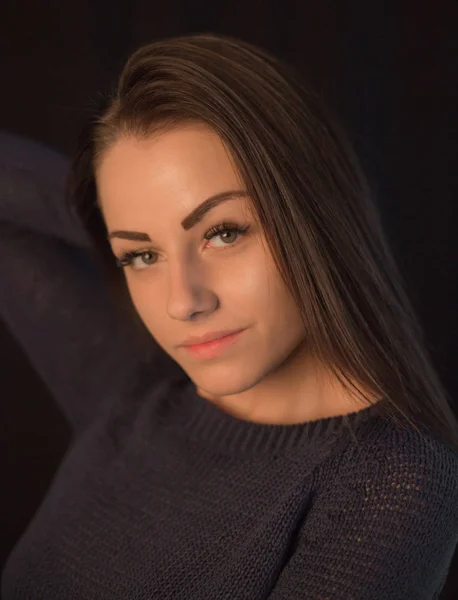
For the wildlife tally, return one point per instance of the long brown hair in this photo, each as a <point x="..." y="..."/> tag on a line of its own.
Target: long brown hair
<point x="308" y="192"/>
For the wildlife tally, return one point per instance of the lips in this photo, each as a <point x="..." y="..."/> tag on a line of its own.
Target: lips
<point x="214" y="348"/>
<point x="209" y="337"/>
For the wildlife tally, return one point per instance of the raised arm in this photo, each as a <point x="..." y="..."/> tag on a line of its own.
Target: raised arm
<point x="52" y="296"/>
<point x="32" y="183"/>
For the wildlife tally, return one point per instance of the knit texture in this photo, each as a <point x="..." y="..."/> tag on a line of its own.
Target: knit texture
<point x="161" y="493"/>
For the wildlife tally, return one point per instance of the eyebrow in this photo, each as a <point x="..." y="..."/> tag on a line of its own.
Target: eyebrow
<point x="194" y="217"/>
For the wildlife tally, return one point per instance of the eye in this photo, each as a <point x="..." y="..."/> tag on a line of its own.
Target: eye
<point x="221" y="229"/>
<point x="141" y="259"/>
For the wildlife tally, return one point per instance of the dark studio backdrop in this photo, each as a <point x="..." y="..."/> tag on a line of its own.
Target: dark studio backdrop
<point x="389" y="68"/>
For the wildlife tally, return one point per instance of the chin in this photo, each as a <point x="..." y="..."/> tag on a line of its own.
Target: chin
<point x="221" y="385"/>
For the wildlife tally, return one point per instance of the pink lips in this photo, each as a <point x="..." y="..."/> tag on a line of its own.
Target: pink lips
<point x="215" y="347"/>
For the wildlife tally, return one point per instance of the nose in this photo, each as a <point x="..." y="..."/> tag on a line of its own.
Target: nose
<point x="189" y="292"/>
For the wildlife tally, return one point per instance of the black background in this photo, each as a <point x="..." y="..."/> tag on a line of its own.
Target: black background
<point x="389" y="68"/>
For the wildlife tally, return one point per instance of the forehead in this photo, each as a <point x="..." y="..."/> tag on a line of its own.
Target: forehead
<point x="167" y="174"/>
<point x="188" y="160"/>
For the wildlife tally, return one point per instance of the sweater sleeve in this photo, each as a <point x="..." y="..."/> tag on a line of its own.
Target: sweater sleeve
<point x="52" y="296"/>
<point x="32" y="183"/>
<point x="385" y="528"/>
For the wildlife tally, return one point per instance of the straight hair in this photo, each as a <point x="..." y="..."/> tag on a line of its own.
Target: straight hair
<point x="310" y="195"/>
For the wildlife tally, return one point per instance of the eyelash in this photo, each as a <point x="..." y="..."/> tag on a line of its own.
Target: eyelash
<point x="220" y="228"/>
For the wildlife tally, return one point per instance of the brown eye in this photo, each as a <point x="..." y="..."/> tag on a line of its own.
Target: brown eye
<point x="148" y="258"/>
<point x="142" y="260"/>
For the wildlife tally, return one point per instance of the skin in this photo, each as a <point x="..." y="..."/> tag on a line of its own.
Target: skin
<point x="150" y="186"/>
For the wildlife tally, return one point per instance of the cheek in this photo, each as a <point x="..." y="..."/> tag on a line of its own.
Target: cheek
<point x="241" y="287"/>
<point x="278" y="309"/>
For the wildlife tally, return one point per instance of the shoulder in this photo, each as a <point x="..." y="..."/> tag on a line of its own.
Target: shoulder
<point x="394" y="457"/>
<point x="386" y="513"/>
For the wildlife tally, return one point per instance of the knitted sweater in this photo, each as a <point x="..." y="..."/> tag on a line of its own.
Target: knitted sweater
<point x="164" y="495"/>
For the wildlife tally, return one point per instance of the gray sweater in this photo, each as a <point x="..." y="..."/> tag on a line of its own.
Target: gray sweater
<point x="163" y="495"/>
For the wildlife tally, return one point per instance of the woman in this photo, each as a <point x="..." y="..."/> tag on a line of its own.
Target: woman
<point x="310" y="451"/>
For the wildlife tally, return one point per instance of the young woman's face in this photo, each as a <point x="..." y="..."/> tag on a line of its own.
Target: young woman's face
<point x="184" y="284"/>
